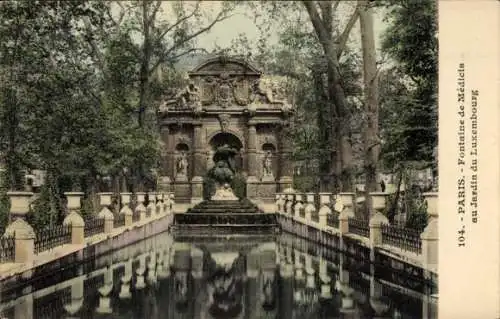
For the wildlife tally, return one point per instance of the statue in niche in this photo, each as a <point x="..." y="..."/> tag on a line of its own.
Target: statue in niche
<point x="268" y="167"/>
<point x="182" y="166"/>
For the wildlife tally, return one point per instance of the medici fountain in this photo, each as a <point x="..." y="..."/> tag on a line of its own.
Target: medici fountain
<point x="223" y="213"/>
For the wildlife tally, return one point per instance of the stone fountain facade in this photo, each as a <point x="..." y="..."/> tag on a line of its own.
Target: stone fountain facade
<point x="228" y="102"/>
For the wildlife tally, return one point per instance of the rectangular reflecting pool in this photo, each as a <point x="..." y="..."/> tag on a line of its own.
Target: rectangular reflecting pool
<point x="278" y="276"/>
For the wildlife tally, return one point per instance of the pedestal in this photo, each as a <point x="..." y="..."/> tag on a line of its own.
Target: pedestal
<point x="196" y="190"/>
<point x="182" y="191"/>
<point x="266" y="190"/>
<point x="165" y="184"/>
<point x="252" y="185"/>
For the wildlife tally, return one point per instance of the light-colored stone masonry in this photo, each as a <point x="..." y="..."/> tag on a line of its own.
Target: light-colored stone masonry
<point x="25" y="258"/>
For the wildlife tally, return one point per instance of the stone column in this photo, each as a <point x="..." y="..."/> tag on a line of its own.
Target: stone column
<point x="104" y="291"/>
<point x="159" y="203"/>
<point x="376" y="221"/>
<point x="23" y="233"/>
<point x="140" y="284"/>
<point x="199" y="163"/>
<point x="166" y="173"/>
<point x="286" y="165"/>
<point x="151" y="208"/>
<point x="347" y="305"/>
<point x="252" y="165"/>
<point x="348" y="201"/>
<point x="151" y="276"/>
<point x="325" y="210"/>
<point x="105" y="213"/>
<point x="299" y="206"/>
<point x="126" y="210"/>
<point x="76" y="303"/>
<point x="140" y="208"/>
<point x="310" y="208"/>
<point x="430" y="235"/>
<point x="326" y="291"/>
<point x="74" y="219"/>
<point x="126" y="279"/>
<point x="169" y="140"/>
<point x="378" y="301"/>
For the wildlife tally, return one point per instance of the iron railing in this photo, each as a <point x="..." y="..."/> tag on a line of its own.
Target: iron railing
<point x="94" y="226"/>
<point x="359" y="227"/>
<point x="7" y="249"/>
<point x="51" y="237"/>
<point x="332" y="220"/>
<point x="119" y="221"/>
<point x="405" y="238"/>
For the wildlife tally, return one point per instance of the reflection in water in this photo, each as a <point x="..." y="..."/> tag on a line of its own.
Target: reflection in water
<point x="283" y="278"/>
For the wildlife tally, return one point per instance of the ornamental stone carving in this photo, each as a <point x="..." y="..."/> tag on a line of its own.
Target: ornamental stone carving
<point x="224" y="121"/>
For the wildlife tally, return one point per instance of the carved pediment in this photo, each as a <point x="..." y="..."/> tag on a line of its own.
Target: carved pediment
<point x="223" y="64"/>
<point x="224" y="82"/>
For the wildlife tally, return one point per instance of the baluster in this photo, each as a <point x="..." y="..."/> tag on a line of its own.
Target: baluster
<point x="140" y="209"/>
<point x="151" y="208"/>
<point x="324" y="199"/>
<point x="105" y="213"/>
<point x="126" y="211"/>
<point x="159" y="204"/>
<point x="298" y="206"/>
<point x="309" y="209"/>
<point x="289" y="205"/>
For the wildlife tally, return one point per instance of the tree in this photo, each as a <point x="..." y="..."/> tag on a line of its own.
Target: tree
<point x="411" y="41"/>
<point x="409" y="100"/>
<point x="155" y="40"/>
<point x="321" y="16"/>
<point x="371" y="141"/>
<point x="46" y="67"/>
<point x="321" y="48"/>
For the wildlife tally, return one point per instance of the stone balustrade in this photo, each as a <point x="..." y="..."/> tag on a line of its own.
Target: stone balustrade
<point x="335" y="217"/>
<point x="21" y="243"/>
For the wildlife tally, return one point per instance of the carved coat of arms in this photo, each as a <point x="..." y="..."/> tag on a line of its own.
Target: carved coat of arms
<point x="242" y="92"/>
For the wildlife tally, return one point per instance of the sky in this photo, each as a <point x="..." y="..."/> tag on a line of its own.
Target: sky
<point x="227" y="30"/>
<point x="242" y="22"/>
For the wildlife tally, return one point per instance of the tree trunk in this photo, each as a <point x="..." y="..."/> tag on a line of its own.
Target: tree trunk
<point x="370" y="140"/>
<point x="144" y="65"/>
<point x="340" y="149"/>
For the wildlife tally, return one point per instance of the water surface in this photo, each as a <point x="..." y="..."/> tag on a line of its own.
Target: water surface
<point x="239" y="277"/>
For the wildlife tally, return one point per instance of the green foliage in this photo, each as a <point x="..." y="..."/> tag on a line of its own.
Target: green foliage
<point x="305" y="184"/>
<point x="41" y="214"/>
<point x="409" y="91"/>
<point x="417" y="217"/>
<point x="4" y="203"/>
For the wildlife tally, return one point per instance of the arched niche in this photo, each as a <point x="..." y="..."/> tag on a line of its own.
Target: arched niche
<point x="269" y="147"/>
<point x="223" y="138"/>
<point x="268" y="150"/>
<point x="182" y="154"/>
<point x="182" y="147"/>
